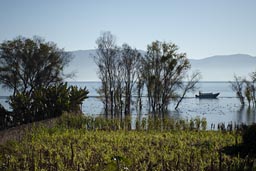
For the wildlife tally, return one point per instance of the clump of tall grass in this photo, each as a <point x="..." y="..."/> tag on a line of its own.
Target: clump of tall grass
<point x="68" y="120"/>
<point x="56" y="148"/>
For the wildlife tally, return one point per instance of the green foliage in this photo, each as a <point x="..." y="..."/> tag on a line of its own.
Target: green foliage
<point x="59" y="148"/>
<point x="204" y="123"/>
<point x="76" y="98"/>
<point x="28" y="64"/>
<point x="47" y="102"/>
<point x="163" y="69"/>
<point x="246" y="149"/>
<point x="21" y="105"/>
<point x="68" y="120"/>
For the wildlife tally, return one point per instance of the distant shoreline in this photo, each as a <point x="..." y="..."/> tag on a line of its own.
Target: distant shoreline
<point x="80" y="81"/>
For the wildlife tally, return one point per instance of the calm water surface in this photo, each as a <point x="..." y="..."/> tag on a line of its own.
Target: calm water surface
<point x="225" y="109"/>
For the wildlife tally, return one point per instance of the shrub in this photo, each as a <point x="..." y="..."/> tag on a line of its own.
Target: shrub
<point x="45" y="103"/>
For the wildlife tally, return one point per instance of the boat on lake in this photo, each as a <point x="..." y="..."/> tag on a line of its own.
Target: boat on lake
<point x="207" y="95"/>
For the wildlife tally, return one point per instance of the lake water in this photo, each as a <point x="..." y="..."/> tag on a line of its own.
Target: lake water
<point x="225" y="109"/>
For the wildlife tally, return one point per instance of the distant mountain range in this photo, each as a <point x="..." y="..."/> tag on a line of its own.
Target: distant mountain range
<point x="215" y="68"/>
<point x="223" y="67"/>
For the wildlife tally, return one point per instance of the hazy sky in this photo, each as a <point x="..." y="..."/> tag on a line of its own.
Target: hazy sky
<point x="201" y="28"/>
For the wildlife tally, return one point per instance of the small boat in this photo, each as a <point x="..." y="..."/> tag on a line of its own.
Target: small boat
<point x="207" y="95"/>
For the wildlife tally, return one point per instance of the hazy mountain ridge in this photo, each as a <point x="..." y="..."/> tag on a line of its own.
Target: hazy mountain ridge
<point x="214" y="68"/>
<point x="223" y="67"/>
<point x="225" y="60"/>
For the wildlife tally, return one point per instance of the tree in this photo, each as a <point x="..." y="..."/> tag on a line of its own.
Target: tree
<point x="122" y="70"/>
<point x="117" y="70"/>
<point x="106" y="60"/>
<point x="189" y="85"/>
<point x="46" y="103"/>
<point x="163" y="71"/>
<point x="130" y="61"/>
<point x="248" y="91"/>
<point x="237" y="86"/>
<point x="253" y="87"/>
<point x="27" y="64"/>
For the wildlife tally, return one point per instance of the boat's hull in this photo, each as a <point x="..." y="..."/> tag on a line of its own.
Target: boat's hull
<point x="207" y="96"/>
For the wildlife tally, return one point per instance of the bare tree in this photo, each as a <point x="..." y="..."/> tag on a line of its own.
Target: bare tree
<point x="237" y="86"/>
<point x="189" y="85"/>
<point x="253" y="85"/>
<point x="248" y="91"/>
<point x="118" y="89"/>
<point x="130" y="60"/>
<point x="106" y="59"/>
<point x="140" y="86"/>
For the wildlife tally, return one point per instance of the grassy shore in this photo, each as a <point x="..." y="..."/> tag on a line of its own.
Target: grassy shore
<point x="17" y="133"/>
<point x="81" y="143"/>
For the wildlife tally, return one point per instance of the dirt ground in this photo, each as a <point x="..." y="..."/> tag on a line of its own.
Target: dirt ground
<point x="16" y="133"/>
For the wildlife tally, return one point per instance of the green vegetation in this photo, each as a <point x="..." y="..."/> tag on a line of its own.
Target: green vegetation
<point x="29" y="64"/>
<point x="77" y="142"/>
<point x="33" y="70"/>
<point x="246" y="149"/>
<point x="124" y="71"/>
<point x="245" y="89"/>
<point x="42" y="104"/>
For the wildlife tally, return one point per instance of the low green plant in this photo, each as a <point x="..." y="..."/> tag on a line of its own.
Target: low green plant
<point x="61" y="148"/>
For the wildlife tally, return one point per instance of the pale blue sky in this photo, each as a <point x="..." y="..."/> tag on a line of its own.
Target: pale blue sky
<point x="201" y="28"/>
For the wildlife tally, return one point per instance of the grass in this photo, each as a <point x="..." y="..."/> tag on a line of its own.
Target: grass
<point x="84" y="143"/>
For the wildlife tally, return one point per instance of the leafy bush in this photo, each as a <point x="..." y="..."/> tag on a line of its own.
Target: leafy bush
<point x="45" y="103"/>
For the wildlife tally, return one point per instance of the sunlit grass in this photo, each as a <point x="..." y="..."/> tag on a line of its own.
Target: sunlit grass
<point x="74" y="144"/>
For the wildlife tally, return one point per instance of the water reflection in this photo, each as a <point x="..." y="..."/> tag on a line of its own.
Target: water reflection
<point x="246" y="114"/>
<point x="221" y="110"/>
<point x="240" y="114"/>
